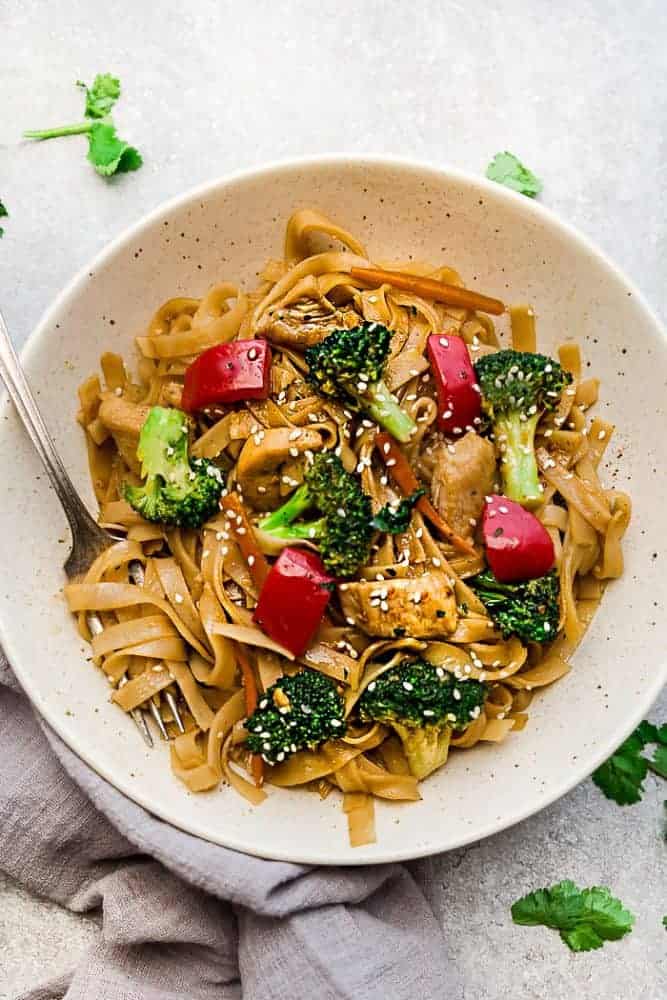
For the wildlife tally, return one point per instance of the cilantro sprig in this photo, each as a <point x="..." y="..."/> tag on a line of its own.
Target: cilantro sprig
<point x="505" y="168"/>
<point x="3" y="212"/>
<point x="621" y="778"/>
<point x="585" y="918"/>
<point x="108" y="153"/>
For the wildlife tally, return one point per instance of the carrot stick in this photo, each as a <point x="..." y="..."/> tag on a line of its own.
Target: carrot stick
<point x="251" y="699"/>
<point x="452" y="295"/>
<point x="245" y="536"/>
<point x="406" y="480"/>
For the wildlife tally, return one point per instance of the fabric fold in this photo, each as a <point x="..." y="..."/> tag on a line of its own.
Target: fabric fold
<point x="183" y="918"/>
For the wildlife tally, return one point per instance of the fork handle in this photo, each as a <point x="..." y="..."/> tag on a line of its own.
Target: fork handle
<point x="12" y="375"/>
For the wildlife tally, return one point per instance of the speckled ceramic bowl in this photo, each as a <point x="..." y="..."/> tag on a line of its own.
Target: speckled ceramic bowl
<point x="503" y="244"/>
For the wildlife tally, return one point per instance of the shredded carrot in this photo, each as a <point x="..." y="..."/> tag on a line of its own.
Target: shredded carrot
<point x="405" y="479"/>
<point x="452" y="295"/>
<point x="251" y="699"/>
<point x="245" y="536"/>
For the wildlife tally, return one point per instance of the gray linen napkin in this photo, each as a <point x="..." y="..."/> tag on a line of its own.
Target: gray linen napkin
<point x="183" y="919"/>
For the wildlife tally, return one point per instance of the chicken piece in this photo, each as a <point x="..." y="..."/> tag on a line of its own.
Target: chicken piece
<point x="261" y="459"/>
<point x="305" y="322"/>
<point x="461" y="479"/>
<point x="125" y="420"/>
<point x="421" y="607"/>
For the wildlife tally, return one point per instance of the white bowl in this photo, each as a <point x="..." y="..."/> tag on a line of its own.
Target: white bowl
<point x="504" y="245"/>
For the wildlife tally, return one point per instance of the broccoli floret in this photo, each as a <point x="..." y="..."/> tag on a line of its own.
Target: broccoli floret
<point x="177" y="490"/>
<point x="295" y="713"/>
<point x="423" y="704"/>
<point x="517" y="389"/>
<point x="348" y="365"/>
<point x="528" y="609"/>
<point x="343" y="531"/>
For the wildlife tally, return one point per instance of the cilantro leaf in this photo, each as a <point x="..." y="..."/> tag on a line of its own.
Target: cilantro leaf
<point x="658" y="762"/>
<point x="109" y="154"/>
<point x="664" y="922"/>
<point x="621" y="777"/>
<point x="106" y="151"/>
<point x="101" y="97"/>
<point x="3" y="212"/>
<point x="395" y="518"/>
<point x="507" y="169"/>
<point x="647" y="732"/>
<point x="585" y="918"/>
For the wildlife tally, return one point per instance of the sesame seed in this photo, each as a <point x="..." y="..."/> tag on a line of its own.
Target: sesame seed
<point x="447" y="414"/>
<point x="350" y="621"/>
<point x="158" y="668"/>
<point x="178" y="598"/>
<point x="295" y="435"/>
<point x="408" y="686"/>
<point x="384" y="606"/>
<point x="428" y="713"/>
<point x="419" y="532"/>
<point x="602" y="435"/>
<point x="391" y="462"/>
<point x="294" y="452"/>
<point x="206" y="553"/>
<point x="224" y="551"/>
<point x="444" y="342"/>
<point x="440" y="672"/>
<point x="336" y="723"/>
<point x="436" y="562"/>
<point x="457" y="694"/>
<point x="451" y="449"/>
<point x="547" y="627"/>
<point x="261" y="489"/>
<point x="240" y="531"/>
<point x="472" y="522"/>
<point x="252" y="353"/>
<point x="251" y="560"/>
<point x="371" y="687"/>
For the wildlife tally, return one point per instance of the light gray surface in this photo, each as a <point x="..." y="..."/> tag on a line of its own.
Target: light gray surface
<point x="578" y="89"/>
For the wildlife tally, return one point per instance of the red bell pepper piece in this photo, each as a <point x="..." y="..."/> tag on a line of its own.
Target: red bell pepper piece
<point x="293" y="599"/>
<point x="459" y="398"/>
<point x="518" y="546"/>
<point x="228" y="373"/>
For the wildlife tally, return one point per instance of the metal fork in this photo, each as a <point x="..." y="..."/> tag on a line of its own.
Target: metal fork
<point x="88" y="538"/>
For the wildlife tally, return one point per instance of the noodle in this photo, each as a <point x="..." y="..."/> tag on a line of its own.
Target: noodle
<point x="180" y="630"/>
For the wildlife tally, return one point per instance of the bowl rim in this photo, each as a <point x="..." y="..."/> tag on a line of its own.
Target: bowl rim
<point x="572" y="776"/>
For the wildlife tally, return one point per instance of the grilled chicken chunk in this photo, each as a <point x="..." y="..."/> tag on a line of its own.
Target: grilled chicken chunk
<point x="125" y="420"/>
<point x="305" y="322"/>
<point x="461" y="480"/>
<point x="424" y="606"/>
<point x="262" y="457"/>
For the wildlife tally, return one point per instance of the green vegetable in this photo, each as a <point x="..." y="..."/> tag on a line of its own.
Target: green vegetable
<point x="586" y="918"/>
<point x="107" y="153"/>
<point x="621" y="777"/>
<point x="517" y="389"/>
<point x="423" y="704"/>
<point x="348" y="365"/>
<point x="658" y="763"/>
<point x="296" y="713"/>
<point x="664" y="922"/>
<point x="395" y="518"/>
<point x="3" y="212"/>
<point x="506" y="169"/>
<point x="178" y="490"/>
<point x="101" y="97"/>
<point x="528" y="608"/>
<point x="343" y="531"/>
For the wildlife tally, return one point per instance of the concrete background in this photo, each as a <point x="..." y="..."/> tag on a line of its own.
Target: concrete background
<point x="578" y="89"/>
